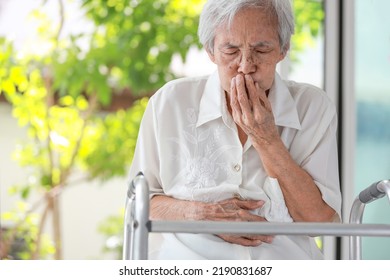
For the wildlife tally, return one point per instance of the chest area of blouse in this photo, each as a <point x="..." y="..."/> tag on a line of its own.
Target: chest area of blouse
<point x="205" y="157"/>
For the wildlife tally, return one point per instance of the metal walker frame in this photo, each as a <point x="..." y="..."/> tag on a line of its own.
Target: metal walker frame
<point x="137" y="225"/>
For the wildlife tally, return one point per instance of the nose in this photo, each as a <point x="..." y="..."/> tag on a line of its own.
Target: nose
<point x="246" y="64"/>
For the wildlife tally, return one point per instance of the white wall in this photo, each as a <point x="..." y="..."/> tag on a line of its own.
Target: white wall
<point x="82" y="206"/>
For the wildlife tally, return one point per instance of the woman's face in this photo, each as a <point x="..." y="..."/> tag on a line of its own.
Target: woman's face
<point x="251" y="46"/>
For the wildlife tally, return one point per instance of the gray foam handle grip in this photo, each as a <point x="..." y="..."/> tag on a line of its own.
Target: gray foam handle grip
<point x="130" y="189"/>
<point x="371" y="193"/>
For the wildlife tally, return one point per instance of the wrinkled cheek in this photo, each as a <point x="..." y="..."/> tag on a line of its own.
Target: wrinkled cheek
<point x="233" y="67"/>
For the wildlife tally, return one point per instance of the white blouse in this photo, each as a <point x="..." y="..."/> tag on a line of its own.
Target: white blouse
<point x="188" y="148"/>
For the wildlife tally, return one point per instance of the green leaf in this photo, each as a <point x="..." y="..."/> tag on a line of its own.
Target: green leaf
<point x="26" y="192"/>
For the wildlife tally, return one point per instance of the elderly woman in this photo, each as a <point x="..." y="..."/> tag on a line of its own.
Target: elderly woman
<point x="241" y="144"/>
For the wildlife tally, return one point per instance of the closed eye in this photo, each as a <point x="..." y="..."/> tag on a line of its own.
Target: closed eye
<point x="229" y="49"/>
<point x="262" y="51"/>
<point x="231" y="52"/>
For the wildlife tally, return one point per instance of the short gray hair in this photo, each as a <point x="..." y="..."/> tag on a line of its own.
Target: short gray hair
<point x="218" y="12"/>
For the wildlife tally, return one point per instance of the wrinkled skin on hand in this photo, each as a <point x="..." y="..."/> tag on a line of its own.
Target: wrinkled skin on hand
<point x="239" y="211"/>
<point x="251" y="110"/>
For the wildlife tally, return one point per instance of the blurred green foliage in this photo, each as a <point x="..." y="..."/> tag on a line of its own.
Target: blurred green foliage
<point x="309" y="17"/>
<point x="24" y="242"/>
<point x="112" y="229"/>
<point x="60" y="95"/>
<point x="136" y="40"/>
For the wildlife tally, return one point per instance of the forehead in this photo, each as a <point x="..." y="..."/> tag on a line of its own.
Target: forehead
<point x="250" y="25"/>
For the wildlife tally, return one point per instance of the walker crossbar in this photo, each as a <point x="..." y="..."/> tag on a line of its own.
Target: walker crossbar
<point x="138" y="226"/>
<point x="270" y="228"/>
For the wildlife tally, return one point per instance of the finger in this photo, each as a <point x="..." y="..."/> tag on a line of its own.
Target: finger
<point x="236" y="109"/>
<point x="247" y="240"/>
<point x="236" y="215"/>
<point x="242" y="97"/>
<point x="249" y="204"/>
<point x="233" y="210"/>
<point x="235" y="203"/>
<point x="235" y="239"/>
<point x="254" y="95"/>
<point x="227" y="210"/>
<point x="252" y="90"/>
<point x="239" y="215"/>
<point x="263" y="238"/>
<point x="263" y="98"/>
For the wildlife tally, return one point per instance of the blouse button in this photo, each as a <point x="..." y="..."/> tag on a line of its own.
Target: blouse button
<point x="237" y="167"/>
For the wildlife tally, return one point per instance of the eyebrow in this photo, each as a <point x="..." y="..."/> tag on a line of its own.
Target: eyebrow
<point x="256" y="45"/>
<point x="262" y="44"/>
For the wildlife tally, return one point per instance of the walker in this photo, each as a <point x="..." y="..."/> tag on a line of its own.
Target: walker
<point x="137" y="225"/>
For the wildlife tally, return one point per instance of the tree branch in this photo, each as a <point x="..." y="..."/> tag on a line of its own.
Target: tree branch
<point x="62" y="19"/>
<point x="42" y="222"/>
<point x="66" y="172"/>
<point x="56" y="226"/>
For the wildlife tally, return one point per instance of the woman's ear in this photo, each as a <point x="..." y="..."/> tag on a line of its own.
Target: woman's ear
<point x="211" y="55"/>
<point x="284" y="52"/>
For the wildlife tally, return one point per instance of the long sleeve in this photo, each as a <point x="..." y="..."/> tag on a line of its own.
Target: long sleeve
<point x="146" y="155"/>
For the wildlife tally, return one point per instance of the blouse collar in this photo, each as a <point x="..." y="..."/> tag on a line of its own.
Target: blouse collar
<point x="213" y="104"/>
